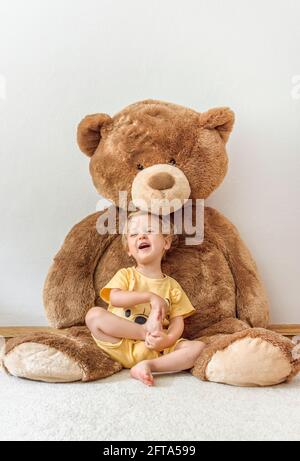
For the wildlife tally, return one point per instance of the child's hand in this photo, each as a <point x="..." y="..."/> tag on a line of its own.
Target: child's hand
<point x="158" y="313"/>
<point x="157" y="341"/>
<point x="158" y="304"/>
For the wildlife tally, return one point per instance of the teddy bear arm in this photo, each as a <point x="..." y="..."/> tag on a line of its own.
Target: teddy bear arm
<point x="251" y="300"/>
<point x="69" y="288"/>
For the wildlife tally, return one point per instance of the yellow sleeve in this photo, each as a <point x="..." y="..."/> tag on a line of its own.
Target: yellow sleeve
<point x="119" y="280"/>
<point x="180" y="303"/>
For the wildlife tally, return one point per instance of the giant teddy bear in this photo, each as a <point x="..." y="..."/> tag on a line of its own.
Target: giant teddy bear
<point x="155" y="149"/>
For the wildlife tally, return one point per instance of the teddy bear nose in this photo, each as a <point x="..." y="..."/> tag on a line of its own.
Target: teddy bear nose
<point x="161" y="181"/>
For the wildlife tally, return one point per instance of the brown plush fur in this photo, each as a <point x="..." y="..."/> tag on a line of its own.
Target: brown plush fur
<point x="219" y="275"/>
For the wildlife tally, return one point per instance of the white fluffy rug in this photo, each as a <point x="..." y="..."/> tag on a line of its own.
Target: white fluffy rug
<point x="179" y="407"/>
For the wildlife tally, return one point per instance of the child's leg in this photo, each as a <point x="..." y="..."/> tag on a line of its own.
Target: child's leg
<point x="107" y="326"/>
<point x="183" y="358"/>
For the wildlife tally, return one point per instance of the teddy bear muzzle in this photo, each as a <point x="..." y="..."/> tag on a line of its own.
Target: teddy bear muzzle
<point x="162" y="188"/>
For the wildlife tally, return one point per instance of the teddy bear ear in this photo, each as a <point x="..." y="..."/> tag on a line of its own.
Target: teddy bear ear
<point x="219" y="118"/>
<point x="89" y="132"/>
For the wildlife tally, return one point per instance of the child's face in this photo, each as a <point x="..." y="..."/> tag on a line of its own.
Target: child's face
<point x="145" y="241"/>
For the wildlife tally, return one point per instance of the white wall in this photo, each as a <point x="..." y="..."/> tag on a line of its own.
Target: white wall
<point x="62" y="59"/>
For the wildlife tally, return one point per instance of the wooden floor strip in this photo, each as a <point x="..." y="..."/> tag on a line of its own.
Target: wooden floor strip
<point x="286" y="329"/>
<point x="11" y="332"/>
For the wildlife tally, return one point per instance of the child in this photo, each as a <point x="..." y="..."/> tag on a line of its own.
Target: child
<point x="142" y="302"/>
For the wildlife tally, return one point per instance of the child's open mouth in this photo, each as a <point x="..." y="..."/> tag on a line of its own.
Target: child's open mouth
<point x="144" y="246"/>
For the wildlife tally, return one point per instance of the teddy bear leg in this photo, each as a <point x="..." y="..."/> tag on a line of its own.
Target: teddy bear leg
<point x="253" y="357"/>
<point x="57" y="358"/>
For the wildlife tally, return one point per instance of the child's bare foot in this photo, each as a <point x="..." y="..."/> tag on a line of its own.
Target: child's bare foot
<point x="142" y="371"/>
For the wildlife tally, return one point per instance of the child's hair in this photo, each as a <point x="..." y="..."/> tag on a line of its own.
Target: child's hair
<point x="162" y="220"/>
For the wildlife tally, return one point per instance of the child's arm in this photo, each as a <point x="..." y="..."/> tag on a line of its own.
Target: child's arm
<point x="123" y="298"/>
<point x="175" y="329"/>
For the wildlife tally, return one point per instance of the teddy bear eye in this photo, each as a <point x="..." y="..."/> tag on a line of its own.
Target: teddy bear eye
<point x="172" y="161"/>
<point x="139" y="166"/>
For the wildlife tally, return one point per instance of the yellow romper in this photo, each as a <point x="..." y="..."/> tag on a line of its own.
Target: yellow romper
<point x="131" y="351"/>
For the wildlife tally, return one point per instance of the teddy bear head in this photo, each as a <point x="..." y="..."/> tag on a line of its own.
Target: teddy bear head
<point x="157" y="150"/>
